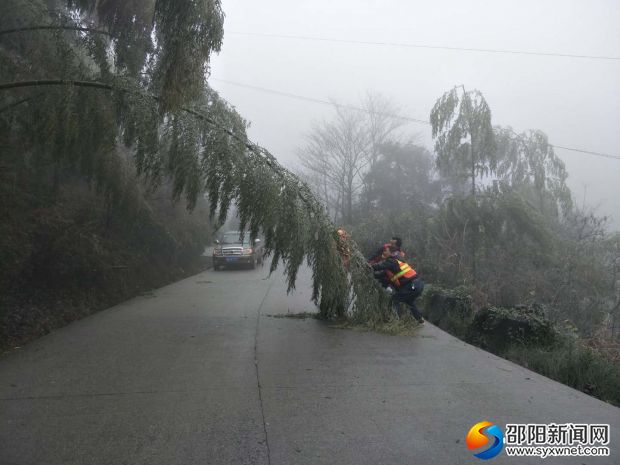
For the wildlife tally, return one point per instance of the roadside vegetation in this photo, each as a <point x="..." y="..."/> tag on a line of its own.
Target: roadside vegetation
<point x="525" y="335"/>
<point x="572" y="362"/>
<point x="64" y="253"/>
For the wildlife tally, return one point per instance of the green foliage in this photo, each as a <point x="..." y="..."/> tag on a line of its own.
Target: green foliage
<point x="401" y="179"/>
<point x="583" y="283"/>
<point x="509" y="234"/>
<point x="496" y="328"/>
<point x="450" y="309"/>
<point x="528" y="164"/>
<point x="572" y="364"/>
<point x="187" y="32"/>
<point x="66" y="255"/>
<point x="464" y="139"/>
<point x="406" y="325"/>
<point x="165" y="43"/>
<point x="525" y="336"/>
<point x="465" y="143"/>
<point x="373" y="229"/>
<point x="399" y="192"/>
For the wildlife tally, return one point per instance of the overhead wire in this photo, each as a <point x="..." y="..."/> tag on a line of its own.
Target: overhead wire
<point x="316" y="100"/>
<point x="406" y="118"/>
<point x="589" y="152"/>
<point x="426" y="46"/>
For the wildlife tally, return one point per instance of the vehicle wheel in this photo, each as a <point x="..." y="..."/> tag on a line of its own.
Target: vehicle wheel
<point x="216" y="267"/>
<point x="253" y="264"/>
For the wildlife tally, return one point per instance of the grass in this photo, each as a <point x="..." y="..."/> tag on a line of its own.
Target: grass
<point x="573" y="364"/>
<point x="296" y="316"/>
<point x="405" y="326"/>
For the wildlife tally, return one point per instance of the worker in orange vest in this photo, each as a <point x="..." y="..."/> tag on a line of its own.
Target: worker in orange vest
<point x="405" y="281"/>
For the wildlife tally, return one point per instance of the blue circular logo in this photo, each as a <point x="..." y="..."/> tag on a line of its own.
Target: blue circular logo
<point x="476" y="438"/>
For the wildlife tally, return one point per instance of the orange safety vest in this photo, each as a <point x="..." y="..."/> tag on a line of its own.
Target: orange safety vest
<point x="405" y="272"/>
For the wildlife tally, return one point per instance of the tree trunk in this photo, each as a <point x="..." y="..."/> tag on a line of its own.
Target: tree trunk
<point x="473" y="166"/>
<point x="348" y="219"/>
<point x="541" y="200"/>
<point x="349" y="206"/>
<point x="475" y="228"/>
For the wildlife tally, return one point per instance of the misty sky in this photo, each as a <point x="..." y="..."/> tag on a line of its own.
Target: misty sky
<point x="575" y="101"/>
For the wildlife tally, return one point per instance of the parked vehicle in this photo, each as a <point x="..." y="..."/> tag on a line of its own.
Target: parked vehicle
<point x="232" y="250"/>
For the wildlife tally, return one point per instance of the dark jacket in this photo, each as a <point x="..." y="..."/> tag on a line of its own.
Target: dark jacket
<point x="389" y="264"/>
<point x="409" y="289"/>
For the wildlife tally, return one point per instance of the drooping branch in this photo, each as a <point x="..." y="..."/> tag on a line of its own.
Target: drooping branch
<point x="54" y="28"/>
<point x="56" y="82"/>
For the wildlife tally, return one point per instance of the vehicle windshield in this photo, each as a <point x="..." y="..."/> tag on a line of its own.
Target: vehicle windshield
<point x="235" y="239"/>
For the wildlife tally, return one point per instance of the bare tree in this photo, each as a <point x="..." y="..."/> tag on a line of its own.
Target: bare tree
<point x="383" y="123"/>
<point x="339" y="152"/>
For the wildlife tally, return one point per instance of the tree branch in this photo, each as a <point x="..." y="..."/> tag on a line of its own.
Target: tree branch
<point x="59" y="82"/>
<point x="44" y="28"/>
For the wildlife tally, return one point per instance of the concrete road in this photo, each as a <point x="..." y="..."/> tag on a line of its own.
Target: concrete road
<point x="200" y="372"/>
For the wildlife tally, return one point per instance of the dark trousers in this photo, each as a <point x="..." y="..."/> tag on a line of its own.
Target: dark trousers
<point x="407" y="293"/>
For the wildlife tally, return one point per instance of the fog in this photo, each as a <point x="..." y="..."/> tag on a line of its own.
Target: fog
<point x="576" y="101"/>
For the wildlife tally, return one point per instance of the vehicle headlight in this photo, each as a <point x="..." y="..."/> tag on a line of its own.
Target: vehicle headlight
<point x="217" y="252"/>
<point x="248" y="251"/>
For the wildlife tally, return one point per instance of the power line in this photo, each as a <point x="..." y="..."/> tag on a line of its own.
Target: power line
<point x="598" y="154"/>
<point x="406" y="118"/>
<point x="319" y="101"/>
<point x="432" y="47"/>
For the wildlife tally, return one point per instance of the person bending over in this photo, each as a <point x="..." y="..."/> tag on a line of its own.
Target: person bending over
<point x="405" y="281"/>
